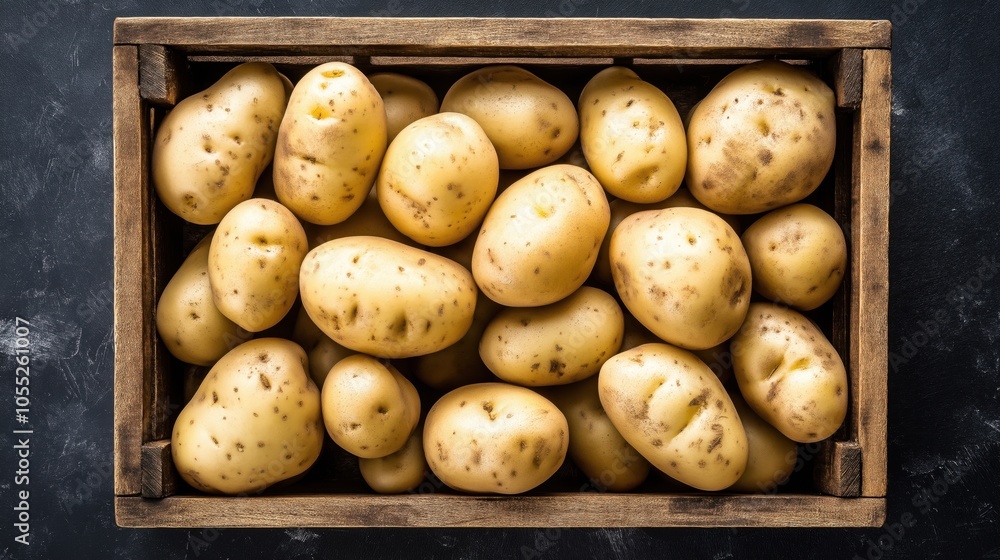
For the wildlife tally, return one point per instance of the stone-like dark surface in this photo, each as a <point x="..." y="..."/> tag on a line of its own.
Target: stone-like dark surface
<point x="944" y="323"/>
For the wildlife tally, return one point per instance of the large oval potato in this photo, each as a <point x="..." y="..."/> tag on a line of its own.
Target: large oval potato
<point x="438" y="179"/>
<point x="253" y="263"/>
<point x="254" y="421"/>
<point x="406" y="100"/>
<point x="673" y="410"/>
<point x="529" y="121"/>
<point x="683" y="273"/>
<point x="540" y="239"/>
<point x="798" y="255"/>
<point x="556" y="344"/>
<point x="771" y="457"/>
<point x="383" y="298"/>
<point x="632" y="136"/>
<point x="330" y="144"/>
<point x="398" y="472"/>
<point x="211" y="147"/>
<point x="187" y="320"/>
<point x="764" y="137"/>
<point x="595" y="445"/>
<point x="369" y="408"/>
<point x="789" y="373"/>
<point x="494" y="438"/>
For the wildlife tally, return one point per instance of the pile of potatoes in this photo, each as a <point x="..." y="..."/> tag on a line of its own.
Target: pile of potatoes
<point x="480" y="289"/>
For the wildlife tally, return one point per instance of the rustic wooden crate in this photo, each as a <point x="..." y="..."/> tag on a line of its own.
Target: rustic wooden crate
<point x="156" y="62"/>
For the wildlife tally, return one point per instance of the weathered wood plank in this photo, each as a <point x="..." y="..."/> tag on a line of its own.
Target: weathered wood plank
<point x="838" y="469"/>
<point x="159" y="477"/>
<point x="161" y="71"/>
<point x="847" y="66"/>
<point x="548" y="510"/>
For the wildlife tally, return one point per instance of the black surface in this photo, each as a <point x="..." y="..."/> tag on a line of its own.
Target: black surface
<point x="944" y="322"/>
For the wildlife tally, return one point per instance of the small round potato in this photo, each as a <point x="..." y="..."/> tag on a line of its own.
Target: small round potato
<point x="540" y="239"/>
<point x="595" y="445"/>
<point x="529" y="121"/>
<point x="798" y="255"/>
<point x="669" y="406"/>
<point x="771" y="457"/>
<point x="212" y="147"/>
<point x="330" y="144"/>
<point x="383" y="298"/>
<point x="399" y="472"/>
<point x="190" y="325"/>
<point x="323" y="352"/>
<point x="763" y="137"/>
<point x="253" y="263"/>
<point x="683" y="273"/>
<point x="557" y="344"/>
<point x="789" y="373"/>
<point x="369" y="408"/>
<point x="494" y="438"/>
<point x="459" y="364"/>
<point x="632" y="136"/>
<point x="254" y="421"/>
<point x="438" y="179"/>
<point x="406" y="100"/>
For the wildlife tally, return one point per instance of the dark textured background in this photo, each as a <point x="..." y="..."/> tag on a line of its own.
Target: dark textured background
<point x="944" y="321"/>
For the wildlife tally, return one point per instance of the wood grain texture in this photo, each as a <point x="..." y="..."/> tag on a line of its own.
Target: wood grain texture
<point x="870" y="267"/>
<point x="550" y="510"/>
<point x="159" y="477"/>
<point x="838" y="469"/>
<point x="847" y="69"/>
<point x="688" y="38"/>
<point x="161" y="71"/>
<point x="131" y="253"/>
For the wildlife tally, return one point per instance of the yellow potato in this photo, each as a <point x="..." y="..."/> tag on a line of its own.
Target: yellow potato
<point x="367" y="220"/>
<point x="438" y="179"/>
<point x="789" y="373"/>
<point x="494" y="438"/>
<point x="635" y="333"/>
<point x="383" y="298"/>
<point x="771" y="457"/>
<point x="330" y="144"/>
<point x="683" y="273"/>
<point x="460" y="363"/>
<point x="187" y="320"/>
<point x="529" y="121"/>
<point x="254" y="421"/>
<point x="763" y="137"/>
<point x="540" y="239"/>
<point x="798" y="255"/>
<point x="670" y="407"/>
<point x="595" y="445"/>
<point x="557" y="344"/>
<point x="632" y="136"/>
<point x="406" y="100"/>
<point x="398" y="472"/>
<point x="211" y="147"/>
<point x="323" y="353"/>
<point x="369" y="408"/>
<point x="253" y="263"/>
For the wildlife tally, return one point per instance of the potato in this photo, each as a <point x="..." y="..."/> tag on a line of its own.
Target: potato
<point x="632" y="136"/>
<point x="683" y="273"/>
<point x="253" y="263"/>
<point x="369" y="408"/>
<point x="595" y="445"/>
<point x="635" y="333"/>
<point x="330" y="144"/>
<point x="494" y="438"/>
<point x="398" y="472"/>
<point x="798" y="255"/>
<point x="763" y="137"/>
<point x="540" y="238"/>
<point x="673" y="410"/>
<point x="529" y="121"/>
<point x="254" y="421"/>
<point x="557" y="344"/>
<point x="719" y="360"/>
<point x="406" y="100"/>
<point x="460" y="363"/>
<point x="383" y="298"/>
<point x="438" y="179"/>
<point x="367" y="220"/>
<point x="211" y="147"/>
<point x="621" y="209"/>
<point x="771" y="455"/>
<point x="323" y="353"/>
<point x="789" y="373"/>
<point x="187" y="320"/>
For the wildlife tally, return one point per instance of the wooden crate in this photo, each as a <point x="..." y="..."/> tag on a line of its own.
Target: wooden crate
<point x="158" y="60"/>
